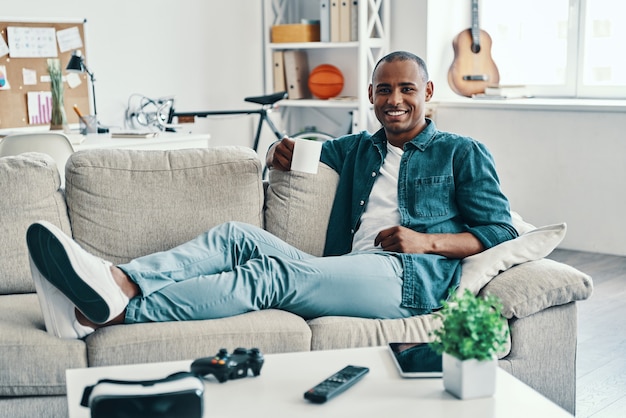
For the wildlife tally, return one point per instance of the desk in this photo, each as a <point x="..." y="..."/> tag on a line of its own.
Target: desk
<point x="278" y="391"/>
<point x="163" y="141"/>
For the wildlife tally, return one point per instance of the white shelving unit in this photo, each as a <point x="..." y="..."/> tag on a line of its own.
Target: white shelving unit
<point x="355" y="59"/>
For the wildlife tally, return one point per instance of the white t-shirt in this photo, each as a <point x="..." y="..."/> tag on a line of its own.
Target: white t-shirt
<point x="382" y="208"/>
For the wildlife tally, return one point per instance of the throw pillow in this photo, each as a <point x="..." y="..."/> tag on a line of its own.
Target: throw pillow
<point x="520" y="224"/>
<point x="537" y="285"/>
<point x="479" y="269"/>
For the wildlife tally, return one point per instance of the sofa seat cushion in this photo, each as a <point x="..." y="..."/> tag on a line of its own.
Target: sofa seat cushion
<point x="29" y="190"/>
<point x="272" y="331"/>
<point x="127" y="203"/>
<point x="32" y="361"/>
<point x="336" y="332"/>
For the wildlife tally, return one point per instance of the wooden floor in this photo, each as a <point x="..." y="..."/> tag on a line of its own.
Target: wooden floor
<point x="601" y="360"/>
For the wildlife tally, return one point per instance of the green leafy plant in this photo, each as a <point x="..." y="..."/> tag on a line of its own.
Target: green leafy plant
<point x="472" y="327"/>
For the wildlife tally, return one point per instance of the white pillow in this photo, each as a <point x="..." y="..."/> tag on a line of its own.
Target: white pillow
<point x="479" y="269"/>
<point x="520" y="224"/>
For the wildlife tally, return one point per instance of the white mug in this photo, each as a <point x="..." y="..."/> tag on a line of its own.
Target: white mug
<point x="306" y="155"/>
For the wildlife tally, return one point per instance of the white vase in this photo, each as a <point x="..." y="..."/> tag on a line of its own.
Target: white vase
<point x="469" y="379"/>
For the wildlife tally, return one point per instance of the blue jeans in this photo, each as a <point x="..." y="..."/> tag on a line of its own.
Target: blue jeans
<point x="236" y="268"/>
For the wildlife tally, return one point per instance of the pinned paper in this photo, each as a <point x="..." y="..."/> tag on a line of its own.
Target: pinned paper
<point x="39" y="107"/>
<point x="73" y="80"/>
<point x="4" y="79"/>
<point x="69" y="39"/>
<point x="30" y="42"/>
<point x="4" y="48"/>
<point x="29" y="77"/>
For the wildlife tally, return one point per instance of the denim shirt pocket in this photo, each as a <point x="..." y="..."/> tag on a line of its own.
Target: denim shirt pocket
<point x="432" y="196"/>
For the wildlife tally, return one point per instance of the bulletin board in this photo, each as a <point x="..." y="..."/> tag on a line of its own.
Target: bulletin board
<point x="24" y="68"/>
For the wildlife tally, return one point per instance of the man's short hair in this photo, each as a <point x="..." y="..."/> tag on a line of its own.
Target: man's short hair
<point x="403" y="56"/>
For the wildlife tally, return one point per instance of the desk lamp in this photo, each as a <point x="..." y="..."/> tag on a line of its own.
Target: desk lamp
<point x="77" y="65"/>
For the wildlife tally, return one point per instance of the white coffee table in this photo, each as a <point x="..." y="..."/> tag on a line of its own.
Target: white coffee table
<point x="278" y="391"/>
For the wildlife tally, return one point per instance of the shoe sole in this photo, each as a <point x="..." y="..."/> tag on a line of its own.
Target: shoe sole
<point x="49" y="316"/>
<point x="52" y="260"/>
<point x="56" y="323"/>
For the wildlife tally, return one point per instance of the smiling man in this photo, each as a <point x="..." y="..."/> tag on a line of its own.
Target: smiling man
<point x="411" y="202"/>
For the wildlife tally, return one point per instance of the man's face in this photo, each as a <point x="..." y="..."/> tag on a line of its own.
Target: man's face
<point x="398" y="94"/>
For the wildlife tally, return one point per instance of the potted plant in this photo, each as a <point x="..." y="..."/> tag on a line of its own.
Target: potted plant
<point x="472" y="332"/>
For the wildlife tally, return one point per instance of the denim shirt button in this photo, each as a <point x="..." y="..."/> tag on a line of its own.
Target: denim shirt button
<point x="362" y="202"/>
<point x="373" y="174"/>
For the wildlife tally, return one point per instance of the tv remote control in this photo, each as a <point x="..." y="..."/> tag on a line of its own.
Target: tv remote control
<point x="335" y="384"/>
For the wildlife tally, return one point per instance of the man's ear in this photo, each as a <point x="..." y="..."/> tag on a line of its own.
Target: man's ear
<point x="370" y="93"/>
<point x="430" y="90"/>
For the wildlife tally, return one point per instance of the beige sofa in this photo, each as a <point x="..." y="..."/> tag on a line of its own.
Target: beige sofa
<point x="120" y="204"/>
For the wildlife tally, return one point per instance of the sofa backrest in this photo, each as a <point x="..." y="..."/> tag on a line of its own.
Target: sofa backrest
<point x="298" y="207"/>
<point x="127" y="203"/>
<point x="29" y="192"/>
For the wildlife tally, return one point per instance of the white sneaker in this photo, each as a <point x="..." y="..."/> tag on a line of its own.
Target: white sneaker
<point x="58" y="311"/>
<point x="86" y="280"/>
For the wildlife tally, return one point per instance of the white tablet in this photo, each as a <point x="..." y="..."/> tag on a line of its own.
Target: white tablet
<point x="416" y="360"/>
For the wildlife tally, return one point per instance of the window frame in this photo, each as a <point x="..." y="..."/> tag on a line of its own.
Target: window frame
<point x="573" y="85"/>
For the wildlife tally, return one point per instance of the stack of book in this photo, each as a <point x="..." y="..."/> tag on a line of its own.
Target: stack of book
<point x="291" y="73"/>
<point x="339" y="20"/>
<point x="504" y="91"/>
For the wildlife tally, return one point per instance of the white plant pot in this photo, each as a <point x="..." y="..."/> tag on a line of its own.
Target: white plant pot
<point x="469" y="379"/>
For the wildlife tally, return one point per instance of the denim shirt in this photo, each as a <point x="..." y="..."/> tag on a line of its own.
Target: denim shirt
<point x="447" y="183"/>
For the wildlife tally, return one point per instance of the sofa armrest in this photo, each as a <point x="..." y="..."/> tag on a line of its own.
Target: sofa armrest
<point x="537" y="285"/>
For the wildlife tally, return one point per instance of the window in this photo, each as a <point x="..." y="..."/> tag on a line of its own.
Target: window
<point x="560" y="48"/>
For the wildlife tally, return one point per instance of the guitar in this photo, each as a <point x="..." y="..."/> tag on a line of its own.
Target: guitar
<point x="472" y="68"/>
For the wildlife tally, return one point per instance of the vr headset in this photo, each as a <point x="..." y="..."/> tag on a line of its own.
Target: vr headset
<point x="177" y="395"/>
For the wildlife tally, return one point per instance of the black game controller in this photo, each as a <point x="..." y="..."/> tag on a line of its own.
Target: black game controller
<point x="226" y="366"/>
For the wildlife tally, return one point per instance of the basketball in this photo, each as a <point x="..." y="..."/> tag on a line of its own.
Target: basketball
<point x="325" y="81"/>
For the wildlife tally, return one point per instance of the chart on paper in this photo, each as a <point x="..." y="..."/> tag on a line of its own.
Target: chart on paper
<point x="39" y="107"/>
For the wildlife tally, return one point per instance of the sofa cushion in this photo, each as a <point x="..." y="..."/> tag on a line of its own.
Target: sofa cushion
<point x="336" y="332"/>
<point x="29" y="190"/>
<point x="272" y="331"/>
<point x="128" y="203"/>
<point x="534" y="244"/>
<point x="32" y="361"/>
<point x="298" y="207"/>
<point x="534" y="286"/>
